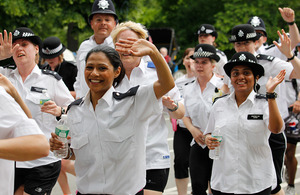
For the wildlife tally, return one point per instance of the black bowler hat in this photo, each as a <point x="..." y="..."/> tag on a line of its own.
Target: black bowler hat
<point x="205" y="51"/>
<point x="258" y="24"/>
<point x="26" y="33"/>
<point x="207" y="29"/>
<point x="243" y="32"/>
<point x="246" y="59"/>
<point x="103" y="7"/>
<point x="51" y="48"/>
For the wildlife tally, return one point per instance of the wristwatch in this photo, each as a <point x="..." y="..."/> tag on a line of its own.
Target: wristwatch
<point x="271" y="95"/>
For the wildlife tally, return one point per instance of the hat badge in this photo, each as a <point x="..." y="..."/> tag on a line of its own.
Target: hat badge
<point x="200" y="49"/>
<point x="255" y="21"/>
<point x="16" y="33"/>
<point x="202" y="28"/>
<point x="103" y="4"/>
<point x="242" y="57"/>
<point x="241" y="33"/>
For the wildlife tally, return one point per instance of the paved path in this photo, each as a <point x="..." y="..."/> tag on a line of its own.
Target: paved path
<point x="171" y="186"/>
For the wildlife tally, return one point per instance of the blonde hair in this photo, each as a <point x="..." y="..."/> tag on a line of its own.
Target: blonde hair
<point x="60" y="59"/>
<point x="135" y="27"/>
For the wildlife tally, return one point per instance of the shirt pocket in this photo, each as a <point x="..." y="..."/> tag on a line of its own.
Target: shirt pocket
<point x="255" y="132"/>
<point x="120" y="127"/>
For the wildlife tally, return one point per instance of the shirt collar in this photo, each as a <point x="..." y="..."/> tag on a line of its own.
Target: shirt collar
<point x="107" y="97"/>
<point x="251" y="96"/>
<point x="35" y="71"/>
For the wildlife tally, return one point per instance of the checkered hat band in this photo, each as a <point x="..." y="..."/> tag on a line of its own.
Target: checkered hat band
<point x="52" y="51"/>
<point x="202" y="54"/>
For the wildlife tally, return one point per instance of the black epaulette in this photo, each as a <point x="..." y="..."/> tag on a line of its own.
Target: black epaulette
<point x="261" y="96"/>
<point x="189" y="82"/>
<point x="220" y="97"/>
<point x="269" y="47"/>
<point x="10" y="66"/>
<point x="75" y="103"/>
<point x="265" y="57"/>
<point x="131" y="92"/>
<point x="52" y="73"/>
<point x="220" y="52"/>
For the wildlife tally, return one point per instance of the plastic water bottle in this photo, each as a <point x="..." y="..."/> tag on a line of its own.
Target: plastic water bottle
<point x="62" y="130"/>
<point x="45" y="97"/>
<point x="215" y="154"/>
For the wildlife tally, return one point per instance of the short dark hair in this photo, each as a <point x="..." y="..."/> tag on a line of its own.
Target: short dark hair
<point x="113" y="57"/>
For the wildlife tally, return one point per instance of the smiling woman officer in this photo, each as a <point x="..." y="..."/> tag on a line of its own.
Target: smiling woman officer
<point x="245" y="164"/>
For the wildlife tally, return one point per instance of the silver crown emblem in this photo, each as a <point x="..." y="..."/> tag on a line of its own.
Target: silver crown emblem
<point x="255" y="21"/>
<point x="242" y="57"/>
<point x="103" y="4"/>
<point x="240" y="33"/>
<point x="16" y="33"/>
<point x="202" y="28"/>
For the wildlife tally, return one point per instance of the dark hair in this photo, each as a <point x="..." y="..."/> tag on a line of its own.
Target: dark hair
<point x="114" y="59"/>
<point x="187" y="51"/>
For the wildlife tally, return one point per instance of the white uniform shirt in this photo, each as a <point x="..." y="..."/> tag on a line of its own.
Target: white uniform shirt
<point x="219" y="66"/>
<point x="58" y="93"/>
<point x="245" y="165"/>
<point x="109" y="142"/>
<point x="181" y="83"/>
<point x="157" y="149"/>
<point x="14" y="123"/>
<point x="271" y="50"/>
<point x="198" y="104"/>
<point x="80" y="85"/>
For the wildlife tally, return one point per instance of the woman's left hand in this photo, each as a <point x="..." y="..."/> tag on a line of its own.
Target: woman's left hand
<point x="168" y="102"/>
<point x="273" y="82"/>
<point x="50" y="107"/>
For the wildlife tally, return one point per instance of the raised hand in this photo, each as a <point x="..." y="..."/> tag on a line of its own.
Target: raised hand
<point x="287" y="14"/>
<point x="273" y="82"/>
<point x="285" y="46"/>
<point x="135" y="47"/>
<point x="6" y="48"/>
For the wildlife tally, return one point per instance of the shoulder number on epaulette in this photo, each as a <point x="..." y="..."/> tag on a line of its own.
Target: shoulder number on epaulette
<point x="270" y="46"/>
<point x="52" y="73"/>
<point x="189" y="82"/>
<point x="75" y="103"/>
<point x="265" y="57"/>
<point x="131" y="92"/>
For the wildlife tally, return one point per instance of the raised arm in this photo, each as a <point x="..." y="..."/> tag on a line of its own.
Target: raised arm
<point x="288" y="16"/>
<point x="286" y="49"/>
<point x="175" y="109"/>
<point x="6" y="49"/>
<point x="141" y="47"/>
<point x="275" y="120"/>
<point x="12" y="91"/>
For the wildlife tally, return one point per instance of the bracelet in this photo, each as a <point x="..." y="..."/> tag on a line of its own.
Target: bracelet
<point x="271" y="95"/>
<point x="291" y="23"/>
<point x="174" y="109"/>
<point x="291" y="58"/>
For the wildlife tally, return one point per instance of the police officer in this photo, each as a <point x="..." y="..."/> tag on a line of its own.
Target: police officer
<point x="103" y="20"/>
<point x="245" y="38"/>
<point x="37" y="176"/>
<point x="52" y="53"/>
<point x="207" y="34"/>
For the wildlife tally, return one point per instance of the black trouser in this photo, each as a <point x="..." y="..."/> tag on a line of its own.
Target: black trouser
<point x="264" y="192"/>
<point x="182" y="147"/>
<point x="200" y="169"/>
<point x="139" y="193"/>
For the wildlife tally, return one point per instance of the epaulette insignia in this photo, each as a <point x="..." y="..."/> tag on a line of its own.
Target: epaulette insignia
<point x="53" y="73"/>
<point x="219" y="97"/>
<point x="270" y="46"/>
<point x="131" y="92"/>
<point x="265" y="57"/>
<point x="260" y="96"/>
<point x="150" y="65"/>
<point x="75" y="103"/>
<point x="189" y="82"/>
